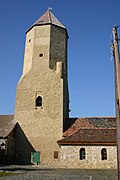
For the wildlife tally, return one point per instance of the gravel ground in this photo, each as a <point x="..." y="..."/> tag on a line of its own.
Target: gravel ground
<point x="36" y="173"/>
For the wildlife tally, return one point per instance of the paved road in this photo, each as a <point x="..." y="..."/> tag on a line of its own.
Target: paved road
<point x="36" y="176"/>
<point x="37" y="173"/>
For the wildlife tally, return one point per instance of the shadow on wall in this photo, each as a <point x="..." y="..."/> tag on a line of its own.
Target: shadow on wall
<point x="68" y="123"/>
<point x="23" y="147"/>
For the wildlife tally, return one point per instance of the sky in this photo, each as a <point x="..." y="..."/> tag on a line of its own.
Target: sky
<point x="90" y="63"/>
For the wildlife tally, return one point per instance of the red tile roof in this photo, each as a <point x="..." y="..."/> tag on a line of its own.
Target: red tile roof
<point x="90" y="130"/>
<point x="88" y="123"/>
<point x="91" y="136"/>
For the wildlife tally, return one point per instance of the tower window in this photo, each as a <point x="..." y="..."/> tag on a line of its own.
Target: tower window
<point x="82" y="153"/>
<point x="103" y="154"/>
<point x="41" y="55"/>
<point x="29" y="40"/>
<point x="39" y="101"/>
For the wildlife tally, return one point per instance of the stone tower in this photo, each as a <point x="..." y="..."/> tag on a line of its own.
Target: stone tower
<point x="42" y="101"/>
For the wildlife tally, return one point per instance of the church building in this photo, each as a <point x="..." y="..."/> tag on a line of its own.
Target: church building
<point x="43" y="131"/>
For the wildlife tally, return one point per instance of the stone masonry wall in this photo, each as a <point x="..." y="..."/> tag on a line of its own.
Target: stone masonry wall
<point x="70" y="157"/>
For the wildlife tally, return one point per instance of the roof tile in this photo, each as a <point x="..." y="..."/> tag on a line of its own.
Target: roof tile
<point x="90" y="130"/>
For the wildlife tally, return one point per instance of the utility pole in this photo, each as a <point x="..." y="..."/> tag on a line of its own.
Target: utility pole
<point x="117" y="91"/>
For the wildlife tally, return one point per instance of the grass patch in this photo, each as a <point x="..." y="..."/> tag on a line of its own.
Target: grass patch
<point x="2" y="174"/>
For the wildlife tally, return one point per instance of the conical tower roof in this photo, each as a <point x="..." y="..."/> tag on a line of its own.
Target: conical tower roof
<point x="47" y="18"/>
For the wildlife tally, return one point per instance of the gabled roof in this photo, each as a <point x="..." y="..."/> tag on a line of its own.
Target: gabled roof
<point x="47" y="18"/>
<point x="96" y="130"/>
<point x="7" y="124"/>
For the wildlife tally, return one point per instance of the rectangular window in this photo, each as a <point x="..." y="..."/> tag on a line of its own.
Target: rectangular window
<point x="55" y="154"/>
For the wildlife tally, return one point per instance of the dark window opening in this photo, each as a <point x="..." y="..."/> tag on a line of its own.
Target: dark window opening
<point x="39" y="101"/>
<point x="41" y="55"/>
<point x="82" y="153"/>
<point x="29" y="40"/>
<point x="55" y="154"/>
<point x="104" y="154"/>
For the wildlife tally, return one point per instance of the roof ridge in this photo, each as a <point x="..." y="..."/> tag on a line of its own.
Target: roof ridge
<point x="49" y="13"/>
<point x="97" y="117"/>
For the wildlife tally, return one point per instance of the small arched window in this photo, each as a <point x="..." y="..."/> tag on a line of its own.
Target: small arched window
<point x="103" y="154"/>
<point x="82" y="153"/>
<point x="39" y="101"/>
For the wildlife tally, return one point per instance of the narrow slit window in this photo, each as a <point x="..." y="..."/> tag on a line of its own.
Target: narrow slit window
<point x="82" y="153"/>
<point x="39" y="101"/>
<point x="103" y="154"/>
